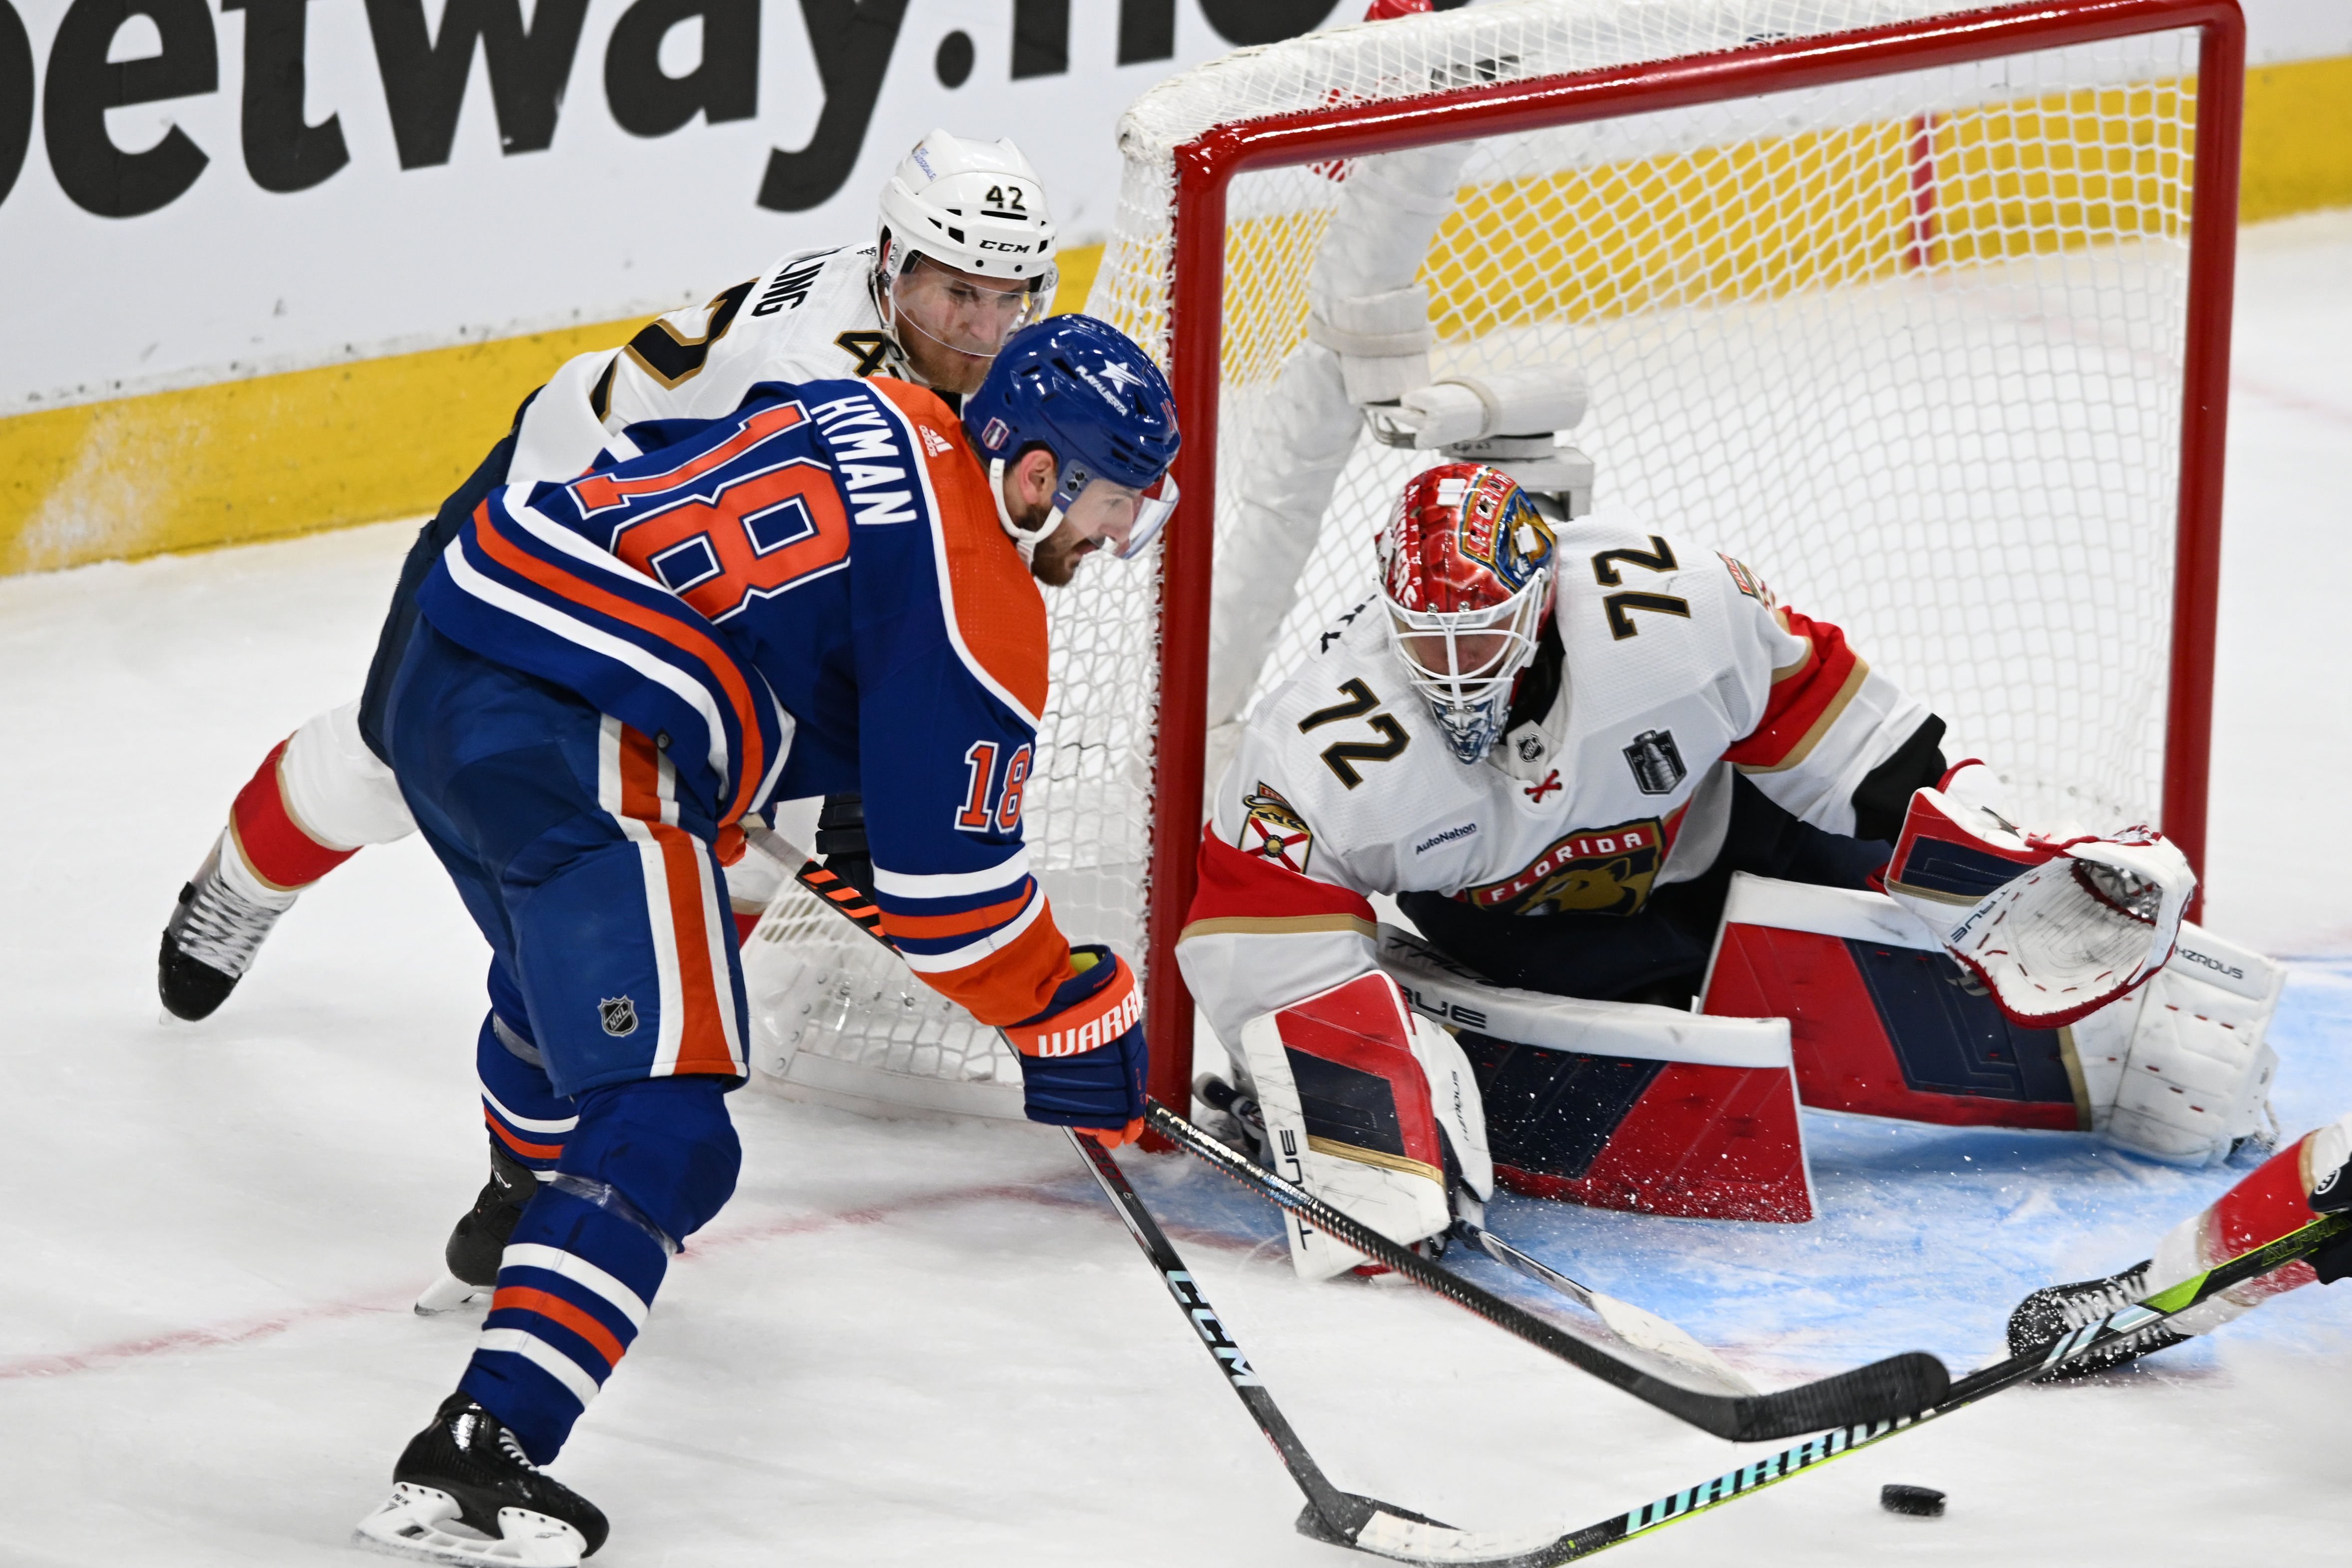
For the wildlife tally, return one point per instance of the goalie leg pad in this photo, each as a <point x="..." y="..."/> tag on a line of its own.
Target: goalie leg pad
<point x="1619" y="1104"/>
<point x="2196" y="1072"/>
<point x="1691" y="1139"/>
<point x="1881" y="1023"/>
<point x="1344" y="1079"/>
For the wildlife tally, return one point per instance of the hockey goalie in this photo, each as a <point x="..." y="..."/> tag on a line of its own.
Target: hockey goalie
<point x="1561" y="745"/>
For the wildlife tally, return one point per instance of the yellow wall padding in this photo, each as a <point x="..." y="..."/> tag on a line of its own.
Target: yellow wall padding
<point x="266" y="457"/>
<point x="2299" y="154"/>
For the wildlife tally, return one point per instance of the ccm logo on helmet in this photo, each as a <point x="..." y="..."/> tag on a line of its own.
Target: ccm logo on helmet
<point x="1003" y="244"/>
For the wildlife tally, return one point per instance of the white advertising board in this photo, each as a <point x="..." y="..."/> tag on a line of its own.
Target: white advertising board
<point x="191" y="190"/>
<point x="195" y="190"/>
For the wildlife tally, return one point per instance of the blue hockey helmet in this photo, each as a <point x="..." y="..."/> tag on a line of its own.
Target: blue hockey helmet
<point x="1081" y="389"/>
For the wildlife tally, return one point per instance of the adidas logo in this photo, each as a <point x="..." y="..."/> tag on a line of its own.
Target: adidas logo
<point x="935" y="443"/>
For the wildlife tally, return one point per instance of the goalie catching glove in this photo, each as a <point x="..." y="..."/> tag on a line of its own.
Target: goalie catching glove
<point x="2056" y="929"/>
<point x="1083" y="1059"/>
<point x="1374" y="1108"/>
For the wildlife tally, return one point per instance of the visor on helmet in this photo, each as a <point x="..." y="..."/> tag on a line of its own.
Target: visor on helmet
<point x="1124" y="518"/>
<point x="962" y="310"/>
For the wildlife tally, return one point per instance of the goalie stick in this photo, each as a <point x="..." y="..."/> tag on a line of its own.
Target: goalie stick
<point x="1899" y="1386"/>
<point x="1685" y="1360"/>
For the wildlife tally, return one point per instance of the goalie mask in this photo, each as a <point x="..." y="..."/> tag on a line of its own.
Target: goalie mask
<point x="1082" y="391"/>
<point x="1466" y="572"/>
<point x="965" y="256"/>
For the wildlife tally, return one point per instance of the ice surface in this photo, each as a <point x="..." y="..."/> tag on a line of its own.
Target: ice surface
<point x="909" y="1341"/>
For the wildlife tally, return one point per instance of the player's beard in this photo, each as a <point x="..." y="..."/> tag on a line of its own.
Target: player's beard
<point x="1055" y="559"/>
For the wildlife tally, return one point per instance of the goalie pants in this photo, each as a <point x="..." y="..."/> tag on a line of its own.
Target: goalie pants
<point x="1659" y="953"/>
<point x="614" y="965"/>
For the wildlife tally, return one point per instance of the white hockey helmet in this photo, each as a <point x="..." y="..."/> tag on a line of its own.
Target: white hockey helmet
<point x="976" y="207"/>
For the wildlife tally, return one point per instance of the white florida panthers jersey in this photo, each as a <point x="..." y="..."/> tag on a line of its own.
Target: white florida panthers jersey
<point x="1678" y="666"/>
<point x="810" y="316"/>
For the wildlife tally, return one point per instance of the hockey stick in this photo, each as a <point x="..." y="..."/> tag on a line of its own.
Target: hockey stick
<point x="1897" y="1386"/>
<point x="1887" y="1390"/>
<point x="1339" y="1516"/>
<point x="1346" y="1519"/>
<point x="1685" y="1361"/>
<point x="1333" y="1515"/>
<point x="2155" y="1312"/>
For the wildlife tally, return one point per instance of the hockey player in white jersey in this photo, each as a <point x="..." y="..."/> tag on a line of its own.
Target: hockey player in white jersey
<point x="1555" y="744"/>
<point x="963" y="257"/>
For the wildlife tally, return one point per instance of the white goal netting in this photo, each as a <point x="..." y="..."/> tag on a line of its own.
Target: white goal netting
<point x="1911" y="346"/>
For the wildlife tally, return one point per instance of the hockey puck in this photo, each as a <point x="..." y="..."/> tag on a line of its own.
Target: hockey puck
<point x="1921" y="1503"/>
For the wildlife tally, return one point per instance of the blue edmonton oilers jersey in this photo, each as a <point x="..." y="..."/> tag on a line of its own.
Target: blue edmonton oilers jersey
<point x="811" y="595"/>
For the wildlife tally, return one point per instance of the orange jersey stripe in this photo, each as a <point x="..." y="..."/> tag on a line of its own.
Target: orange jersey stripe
<point x="532" y="1150"/>
<point x="998" y="610"/>
<point x="751" y="767"/>
<point x="556" y="1309"/>
<point x="955" y="925"/>
<point x="1016" y="982"/>
<point x="702" y="1033"/>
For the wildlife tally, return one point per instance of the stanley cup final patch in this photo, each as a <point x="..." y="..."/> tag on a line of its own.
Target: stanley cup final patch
<point x="1274" y="831"/>
<point x="620" y="1014"/>
<point x="1657" y="762"/>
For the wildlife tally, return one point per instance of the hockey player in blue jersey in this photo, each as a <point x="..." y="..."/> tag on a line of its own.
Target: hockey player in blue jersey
<point x="830" y="590"/>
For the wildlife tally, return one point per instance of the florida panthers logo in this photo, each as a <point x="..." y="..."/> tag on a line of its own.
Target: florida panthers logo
<point x="1605" y="870"/>
<point x="1274" y="831"/>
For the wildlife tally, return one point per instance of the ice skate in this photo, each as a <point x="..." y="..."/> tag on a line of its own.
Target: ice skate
<point x="2056" y="1309"/>
<point x="210" y="941"/>
<point x="468" y="1471"/>
<point x="479" y="1240"/>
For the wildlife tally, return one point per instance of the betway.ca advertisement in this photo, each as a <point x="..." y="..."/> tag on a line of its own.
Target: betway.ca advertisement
<point x="191" y="190"/>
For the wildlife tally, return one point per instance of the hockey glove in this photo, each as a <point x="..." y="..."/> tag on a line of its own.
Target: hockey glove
<point x="2055" y="928"/>
<point x="1083" y="1059"/>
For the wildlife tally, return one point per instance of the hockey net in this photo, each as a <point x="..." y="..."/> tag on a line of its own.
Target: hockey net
<point x="1912" y="344"/>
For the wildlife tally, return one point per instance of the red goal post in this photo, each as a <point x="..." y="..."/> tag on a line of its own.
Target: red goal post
<point x="1206" y="165"/>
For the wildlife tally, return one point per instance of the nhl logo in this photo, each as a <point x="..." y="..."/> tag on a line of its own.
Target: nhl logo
<point x="1657" y="764"/>
<point x="620" y="1014"/>
<point x="1530" y="748"/>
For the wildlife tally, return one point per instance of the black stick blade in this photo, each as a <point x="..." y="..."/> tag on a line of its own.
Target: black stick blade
<point x="1890" y="1390"/>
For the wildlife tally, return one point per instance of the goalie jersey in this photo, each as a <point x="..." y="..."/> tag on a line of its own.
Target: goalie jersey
<point x="809" y="596"/>
<point x="810" y="316"/>
<point x="1676" y="666"/>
